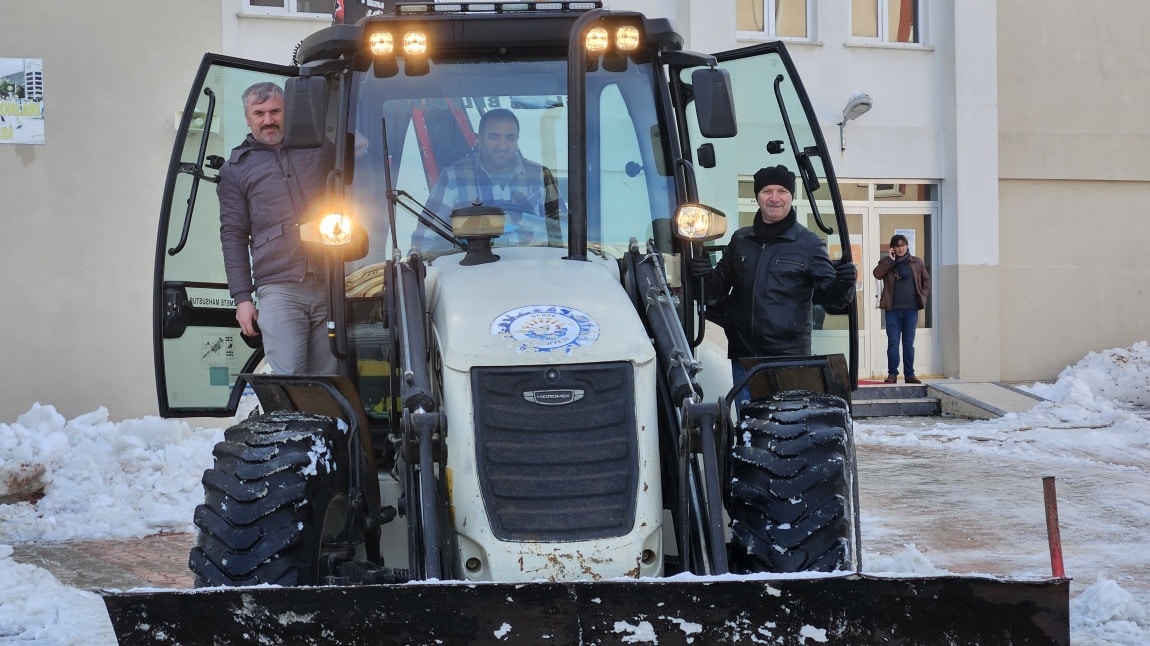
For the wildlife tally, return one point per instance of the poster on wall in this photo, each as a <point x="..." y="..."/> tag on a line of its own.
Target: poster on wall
<point x="21" y="101"/>
<point x="911" y="238"/>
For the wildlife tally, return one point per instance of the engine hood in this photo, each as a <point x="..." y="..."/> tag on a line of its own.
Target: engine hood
<point x="532" y="307"/>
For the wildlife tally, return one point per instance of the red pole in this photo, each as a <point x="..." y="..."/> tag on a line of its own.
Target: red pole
<point x="1052" y="536"/>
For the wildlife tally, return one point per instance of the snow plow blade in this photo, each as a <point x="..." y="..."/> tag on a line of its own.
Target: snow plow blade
<point x="849" y="609"/>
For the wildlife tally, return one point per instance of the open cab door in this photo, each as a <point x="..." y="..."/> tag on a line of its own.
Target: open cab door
<point x="776" y="125"/>
<point x="199" y="352"/>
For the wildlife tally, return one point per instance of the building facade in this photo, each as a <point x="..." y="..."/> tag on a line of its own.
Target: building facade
<point x="1007" y="137"/>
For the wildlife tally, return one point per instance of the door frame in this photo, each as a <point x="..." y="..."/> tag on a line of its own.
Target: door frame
<point x="198" y="351"/>
<point x="872" y="332"/>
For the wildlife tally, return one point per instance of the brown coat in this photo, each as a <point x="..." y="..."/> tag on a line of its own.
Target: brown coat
<point x="917" y="269"/>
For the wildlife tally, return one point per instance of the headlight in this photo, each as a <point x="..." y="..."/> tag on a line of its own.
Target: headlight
<point x="334" y="230"/>
<point x="415" y="43"/>
<point x="382" y="43"/>
<point x="699" y="222"/>
<point x="627" y="39"/>
<point x="596" y="40"/>
<point x="478" y="221"/>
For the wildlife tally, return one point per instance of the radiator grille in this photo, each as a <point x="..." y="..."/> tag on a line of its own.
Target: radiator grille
<point x="557" y="472"/>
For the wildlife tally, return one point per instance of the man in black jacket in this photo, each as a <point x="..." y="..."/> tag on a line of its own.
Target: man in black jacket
<point x="769" y="276"/>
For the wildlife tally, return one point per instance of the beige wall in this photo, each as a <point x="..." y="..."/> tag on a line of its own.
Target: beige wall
<point x="1074" y="278"/>
<point x="80" y="211"/>
<point x="1075" y="181"/>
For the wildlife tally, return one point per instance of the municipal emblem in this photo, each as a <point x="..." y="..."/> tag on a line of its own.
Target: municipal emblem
<point x="546" y="328"/>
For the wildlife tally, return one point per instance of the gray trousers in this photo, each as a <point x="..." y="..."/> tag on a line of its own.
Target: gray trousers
<point x="293" y="322"/>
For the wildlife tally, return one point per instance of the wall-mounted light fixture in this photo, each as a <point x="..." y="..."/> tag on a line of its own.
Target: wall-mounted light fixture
<point x="857" y="106"/>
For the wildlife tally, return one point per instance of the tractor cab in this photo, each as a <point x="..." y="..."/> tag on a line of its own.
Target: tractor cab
<point x="621" y="126"/>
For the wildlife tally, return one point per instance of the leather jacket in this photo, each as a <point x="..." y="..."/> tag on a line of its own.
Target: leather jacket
<point x="265" y="193"/>
<point x="882" y="271"/>
<point x="765" y="289"/>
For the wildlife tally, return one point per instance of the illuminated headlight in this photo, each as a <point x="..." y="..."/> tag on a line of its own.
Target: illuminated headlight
<point x="699" y="222"/>
<point x="382" y="43"/>
<point x="596" y="41"/>
<point x="415" y="43"/>
<point x="627" y="39"/>
<point x="335" y="229"/>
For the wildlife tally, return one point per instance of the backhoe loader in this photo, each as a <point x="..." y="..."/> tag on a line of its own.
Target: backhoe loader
<point x="531" y="438"/>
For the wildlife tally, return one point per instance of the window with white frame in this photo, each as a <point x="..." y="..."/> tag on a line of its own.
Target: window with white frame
<point x="775" y="18"/>
<point x="323" y="7"/>
<point x="887" y="21"/>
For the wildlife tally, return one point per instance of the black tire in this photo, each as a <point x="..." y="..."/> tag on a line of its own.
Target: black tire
<point x="792" y="486"/>
<point x="278" y="489"/>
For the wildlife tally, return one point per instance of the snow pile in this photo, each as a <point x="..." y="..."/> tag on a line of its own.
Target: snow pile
<point x="99" y="479"/>
<point x="1101" y="378"/>
<point x="1106" y="614"/>
<point x="908" y="562"/>
<point x="37" y="609"/>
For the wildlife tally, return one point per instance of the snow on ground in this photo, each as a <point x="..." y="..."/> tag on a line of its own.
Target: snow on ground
<point x="139" y="477"/>
<point x="101" y="479"/>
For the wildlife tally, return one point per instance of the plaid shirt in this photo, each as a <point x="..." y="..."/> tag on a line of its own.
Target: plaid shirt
<point x="530" y="197"/>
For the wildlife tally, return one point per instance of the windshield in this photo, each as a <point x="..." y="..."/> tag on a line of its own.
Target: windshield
<point x="496" y="133"/>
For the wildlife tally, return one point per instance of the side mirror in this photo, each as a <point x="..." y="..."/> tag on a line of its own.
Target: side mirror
<point x="305" y="111"/>
<point x="714" y="103"/>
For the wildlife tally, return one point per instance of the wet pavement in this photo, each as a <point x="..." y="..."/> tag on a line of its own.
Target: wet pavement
<point x="157" y="561"/>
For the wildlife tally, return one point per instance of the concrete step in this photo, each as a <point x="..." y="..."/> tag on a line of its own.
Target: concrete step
<point x="894" y="400"/>
<point x="892" y="391"/>
<point x="972" y="400"/>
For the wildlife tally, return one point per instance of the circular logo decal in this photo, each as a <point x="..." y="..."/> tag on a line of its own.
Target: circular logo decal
<point x="546" y="328"/>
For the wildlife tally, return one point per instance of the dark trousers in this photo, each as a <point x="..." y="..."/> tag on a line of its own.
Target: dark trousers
<point x="900" y="323"/>
<point x="737" y="373"/>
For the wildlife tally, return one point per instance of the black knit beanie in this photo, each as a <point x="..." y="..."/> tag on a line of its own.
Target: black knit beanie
<point x="778" y="175"/>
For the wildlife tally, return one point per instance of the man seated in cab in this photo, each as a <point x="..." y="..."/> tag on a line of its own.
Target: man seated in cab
<point x="497" y="175"/>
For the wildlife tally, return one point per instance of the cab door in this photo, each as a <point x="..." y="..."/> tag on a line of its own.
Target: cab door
<point x="199" y="351"/>
<point x="776" y="125"/>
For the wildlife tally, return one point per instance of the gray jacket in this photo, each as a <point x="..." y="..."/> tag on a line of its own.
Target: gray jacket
<point x="265" y="193"/>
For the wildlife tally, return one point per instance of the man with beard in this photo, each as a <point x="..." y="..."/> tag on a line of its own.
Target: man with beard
<point x="265" y="191"/>
<point x="497" y="175"/>
<point x="770" y="275"/>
